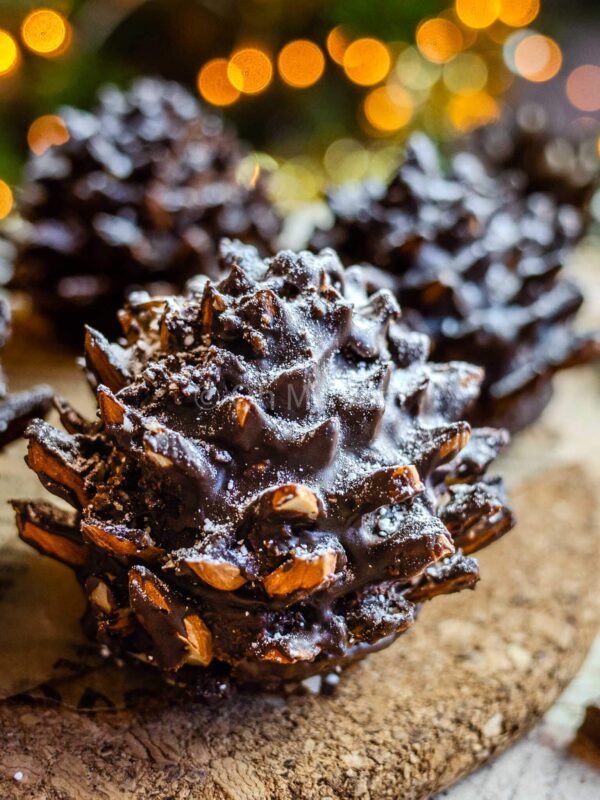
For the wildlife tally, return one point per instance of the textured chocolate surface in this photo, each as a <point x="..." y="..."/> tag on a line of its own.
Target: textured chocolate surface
<point x="278" y="478"/>
<point x="542" y="159"/>
<point x="19" y="408"/>
<point x="476" y="263"/>
<point x="138" y="196"/>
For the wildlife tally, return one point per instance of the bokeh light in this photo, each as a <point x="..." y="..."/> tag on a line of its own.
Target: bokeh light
<point x="388" y="108"/>
<point x="214" y="84"/>
<point x="518" y="13"/>
<point x="337" y="44"/>
<point x="537" y="58"/>
<point x="252" y="166"/>
<point x="45" y="132"/>
<point x="6" y="199"/>
<point x="301" y="63"/>
<point x="9" y="53"/>
<point x="468" y="111"/>
<point x="367" y="61"/>
<point x="346" y="160"/>
<point x="500" y="78"/>
<point x="583" y="87"/>
<point x="477" y="13"/>
<point x="250" y="70"/>
<point x="467" y="73"/>
<point x="296" y="182"/>
<point x="416" y="72"/>
<point x="439" y="39"/>
<point x="45" y="31"/>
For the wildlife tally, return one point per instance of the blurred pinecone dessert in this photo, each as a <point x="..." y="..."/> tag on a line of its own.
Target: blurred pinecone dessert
<point x="540" y="159"/>
<point x="17" y="409"/>
<point x="278" y="478"/>
<point x="138" y="196"/>
<point x="477" y="266"/>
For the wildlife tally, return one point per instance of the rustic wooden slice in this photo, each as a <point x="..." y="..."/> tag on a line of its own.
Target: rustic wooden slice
<point x="476" y="672"/>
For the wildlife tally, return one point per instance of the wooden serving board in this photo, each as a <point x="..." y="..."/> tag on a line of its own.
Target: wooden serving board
<point x="476" y="672"/>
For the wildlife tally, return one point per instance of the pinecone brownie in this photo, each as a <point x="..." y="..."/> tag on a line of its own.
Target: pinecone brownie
<point x="477" y="265"/>
<point x="137" y="196"/>
<point x="17" y="409"/>
<point x="278" y="478"/>
<point x="539" y="158"/>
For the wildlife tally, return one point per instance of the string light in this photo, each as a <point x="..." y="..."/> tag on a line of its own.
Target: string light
<point x="45" y="132"/>
<point x="214" y="84"/>
<point x="388" y="108"/>
<point x="537" y="58"/>
<point x="6" y="199"/>
<point x="439" y="40"/>
<point x="337" y="43"/>
<point x="367" y="61"/>
<point x="45" y="32"/>
<point x="250" y="70"/>
<point x="296" y="182"/>
<point x="301" y="63"/>
<point x="9" y="53"/>
<point x="346" y="160"/>
<point x="519" y="13"/>
<point x="583" y="88"/>
<point x="477" y="13"/>
<point x="468" y="111"/>
<point x="416" y="72"/>
<point x="467" y="73"/>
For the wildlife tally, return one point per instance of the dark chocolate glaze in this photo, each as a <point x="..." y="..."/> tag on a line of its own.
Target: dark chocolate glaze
<point x="138" y="196"/>
<point x="541" y="157"/>
<point x="278" y="477"/>
<point x="475" y="261"/>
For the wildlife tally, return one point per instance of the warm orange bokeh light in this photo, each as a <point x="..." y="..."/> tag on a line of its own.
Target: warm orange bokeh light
<point x="337" y="44"/>
<point x="45" y="132"/>
<point x="301" y="63"/>
<point x="468" y="111"/>
<point x="250" y="70"/>
<point x="439" y="40"/>
<point x="583" y="87"/>
<point x="538" y="58"/>
<point x="6" y="199"/>
<point x="214" y="84"/>
<point x="44" y="31"/>
<point x="518" y="13"/>
<point x="388" y="108"/>
<point x="477" y="13"/>
<point x="367" y="61"/>
<point x="9" y="53"/>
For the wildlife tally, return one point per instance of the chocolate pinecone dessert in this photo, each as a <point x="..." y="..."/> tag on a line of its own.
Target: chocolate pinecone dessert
<point x="19" y="408"/>
<point x="477" y="266"/>
<point x="137" y="197"/>
<point x="278" y="478"/>
<point x="539" y="158"/>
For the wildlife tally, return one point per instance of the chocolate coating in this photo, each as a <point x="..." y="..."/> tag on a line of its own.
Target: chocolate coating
<point x="278" y="479"/>
<point x="137" y="197"/>
<point x="476" y="264"/>
<point x="541" y="159"/>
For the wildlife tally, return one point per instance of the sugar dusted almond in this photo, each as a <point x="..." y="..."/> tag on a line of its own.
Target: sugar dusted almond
<point x="51" y="544"/>
<point x="304" y="572"/>
<point x="296" y="499"/>
<point x="217" y="573"/>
